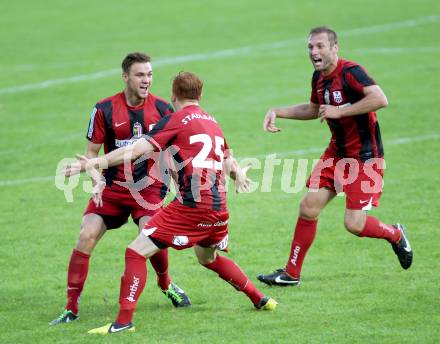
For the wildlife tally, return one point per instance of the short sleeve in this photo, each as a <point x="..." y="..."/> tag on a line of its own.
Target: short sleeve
<point x="163" y="132"/>
<point x="96" y="131"/>
<point x="314" y="96"/>
<point x="169" y="110"/>
<point x="164" y="108"/>
<point x="357" y="78"/>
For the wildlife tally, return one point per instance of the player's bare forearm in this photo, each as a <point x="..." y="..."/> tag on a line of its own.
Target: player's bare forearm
<point x="232" y="168"/>
<point x="374" y="100"/>
<point x="238" y="174"/>
<point x="92" y="151"/>
<point x="304" y="111"/>
<point x="118" y="156"/>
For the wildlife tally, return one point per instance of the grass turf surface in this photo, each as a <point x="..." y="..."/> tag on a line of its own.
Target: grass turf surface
<point x="352" y="290"/>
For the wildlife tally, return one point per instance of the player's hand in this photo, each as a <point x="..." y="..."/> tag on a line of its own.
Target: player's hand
<point x="83" y="160"/>
<point x="96" y="176"/>
<point x="328" y="111"/>
<point x="269" y="122"/>
<point x="98" y="189"/>
<point x="242" y="182"/>
<point x="76" y="167"/>
<point x="97" y="179"/>
<point x="72" y="169"/>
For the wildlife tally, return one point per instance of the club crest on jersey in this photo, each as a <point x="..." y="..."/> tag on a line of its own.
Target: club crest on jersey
<point x="137" y="130"/>
<point x="337" y="96"/>
<point x="327" y="97"/>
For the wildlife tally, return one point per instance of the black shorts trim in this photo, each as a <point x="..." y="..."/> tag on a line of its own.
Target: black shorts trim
<point x="113" y="222"/>
<point x="158" y="243"/>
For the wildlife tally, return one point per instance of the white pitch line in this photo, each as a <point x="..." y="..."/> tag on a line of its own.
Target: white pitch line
<point x="392" y="26"/>
<point x="395" y="50"/>
<point x="56" y="82"/>
<point x="393" y="142"/>
<point x="12" y="182"/>
<point x="219" y="54"/>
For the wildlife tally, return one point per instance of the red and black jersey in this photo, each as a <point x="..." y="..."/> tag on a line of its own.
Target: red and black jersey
<point x="116" y="124"/>
<point x="197" y="146"/>
<point x="354" y="136"/>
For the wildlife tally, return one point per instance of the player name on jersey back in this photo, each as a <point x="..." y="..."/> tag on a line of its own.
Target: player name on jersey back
<point x="192" y="116"/>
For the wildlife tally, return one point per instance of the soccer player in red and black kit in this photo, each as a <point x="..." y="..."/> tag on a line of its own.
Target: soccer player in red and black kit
<point x="198" y="217"/>
<point x="115" y="122"/>
<point x="346" y="97"/>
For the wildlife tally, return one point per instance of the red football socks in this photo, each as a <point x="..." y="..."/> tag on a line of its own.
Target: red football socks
<point x="228" y="270"/>
<point x="159" y="262"/>
<point x="375" y="229"/>
<point x="132" y="284"/>
<point x="76" y="277"/>
<point x="303" y="237"/>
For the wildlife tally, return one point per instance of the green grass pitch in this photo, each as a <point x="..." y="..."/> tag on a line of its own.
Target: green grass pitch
<point x="58" y="58"/>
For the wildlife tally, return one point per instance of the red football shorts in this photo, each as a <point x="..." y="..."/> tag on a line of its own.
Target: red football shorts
<point x="181" y="227"/>
<point x="119" y="203"/>
<point x="362" y="182"/>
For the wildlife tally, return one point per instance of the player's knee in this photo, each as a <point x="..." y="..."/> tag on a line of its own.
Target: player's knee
<point x="205" y="256"/>
<point x="206" y="260"/>
<point x="307" y="210"/>
<point x="88" y="238"/>
<point x="353" y="225"/>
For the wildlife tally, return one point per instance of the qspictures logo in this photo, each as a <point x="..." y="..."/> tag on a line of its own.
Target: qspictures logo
<point x="291" y="175"/>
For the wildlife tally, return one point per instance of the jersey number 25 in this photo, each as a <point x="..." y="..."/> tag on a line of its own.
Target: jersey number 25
<point x="200" y="160"/>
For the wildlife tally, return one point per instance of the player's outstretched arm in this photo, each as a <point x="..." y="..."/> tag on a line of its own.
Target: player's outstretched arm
<point x="113" y="158"/>
<point x="118" y="156"/>
<point x="304" y="111"/>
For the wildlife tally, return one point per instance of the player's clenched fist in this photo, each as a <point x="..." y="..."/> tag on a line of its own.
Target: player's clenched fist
<point x="328" y="111"/>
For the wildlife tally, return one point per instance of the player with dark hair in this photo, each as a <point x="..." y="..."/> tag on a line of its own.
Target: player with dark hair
<point x="346" y="97"/>
<point x="118" y="121"/>
<point x="198" y="216"/>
